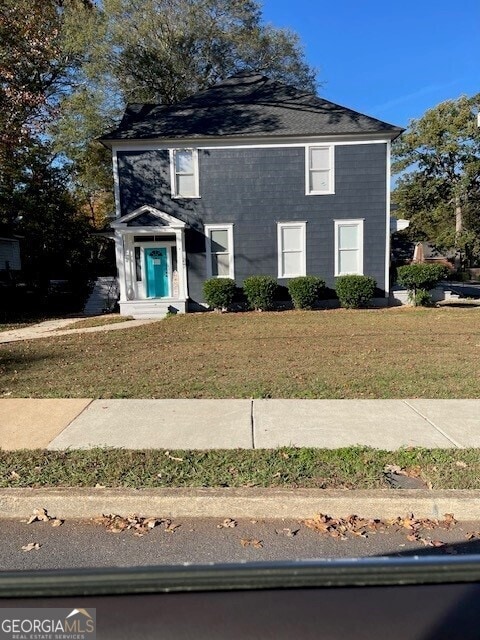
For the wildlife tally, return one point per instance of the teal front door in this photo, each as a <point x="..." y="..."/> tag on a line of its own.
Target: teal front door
<point x="156" y="268"/>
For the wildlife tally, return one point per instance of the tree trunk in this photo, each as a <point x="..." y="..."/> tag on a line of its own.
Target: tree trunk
<point x="458" y="215"/>
<point x="458" y="228"/>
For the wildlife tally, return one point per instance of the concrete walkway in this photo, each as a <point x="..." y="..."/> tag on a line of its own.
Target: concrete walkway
<point x="54" y="328"/>
<point x="231" y="424"/>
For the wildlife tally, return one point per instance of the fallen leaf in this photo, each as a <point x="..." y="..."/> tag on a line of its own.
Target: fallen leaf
<point x="228" y="523"/>
<point x="39" y="514"/>
<point x="139" y="524"/>
<point x="393" y="468"/>
<point x="99" y="486"/>
<point x="449" y="520"/>
<point x="14" y="475"/>
<point x="31" y="546"/>
<point x="151" y="523"/>
<point x="461" y="464"/>
<point x="171" y="528"/>
<point x="251" y="542"/>
<point x="56" y="522"/>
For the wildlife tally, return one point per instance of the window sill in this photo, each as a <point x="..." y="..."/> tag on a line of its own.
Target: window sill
<point x="320" y="193"/>
<point x="186" y="197"/>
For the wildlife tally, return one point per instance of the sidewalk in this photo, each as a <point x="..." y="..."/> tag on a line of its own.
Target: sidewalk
<point x="54" y="328"/>
<point x="230" y="424"/>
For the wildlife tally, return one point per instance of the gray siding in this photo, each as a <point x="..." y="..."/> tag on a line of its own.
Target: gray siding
<point x="255" y="189"/>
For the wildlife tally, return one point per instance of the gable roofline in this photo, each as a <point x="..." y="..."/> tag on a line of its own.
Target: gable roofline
<point x="242" y="106"/>
<point x="171" y="221"/>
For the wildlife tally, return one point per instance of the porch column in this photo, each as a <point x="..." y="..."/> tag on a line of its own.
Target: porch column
<point x="182" y="263"/>
<point x="120" y="258"/>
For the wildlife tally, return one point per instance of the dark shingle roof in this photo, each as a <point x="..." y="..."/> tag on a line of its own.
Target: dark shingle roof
<point x="246" y="106"/>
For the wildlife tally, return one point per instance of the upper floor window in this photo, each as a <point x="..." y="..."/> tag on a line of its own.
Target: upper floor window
<point x="320" y="174"/>
<point x="219" y="248"/>
<point x="184" y="173"/>
<point x="292" y="260"/>
<point x="348" y="247"/>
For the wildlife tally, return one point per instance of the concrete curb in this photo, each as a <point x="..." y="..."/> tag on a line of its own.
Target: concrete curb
<point x="239" y="503"/>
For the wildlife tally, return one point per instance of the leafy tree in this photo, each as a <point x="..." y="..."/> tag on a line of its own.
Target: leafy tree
<point x="439" y="189"/>
<point x="161" y="51"/>
<point x="58" y="241"/>
<point x="166" y="50"/>
<point x="37" y="65"/>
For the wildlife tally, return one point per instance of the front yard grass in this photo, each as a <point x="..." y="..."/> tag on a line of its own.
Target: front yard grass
<point x="97" y="321"/>
<point x="347" y="468"/>
<point x="389" y="353"/>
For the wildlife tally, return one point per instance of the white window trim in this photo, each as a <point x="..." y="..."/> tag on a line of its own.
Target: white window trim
<point x="208" y="244"/>
<point x="359" y="223"/>
<point x="173" y="173"/>
<point x="331" y="186"/>
<point x="303" y="227"/>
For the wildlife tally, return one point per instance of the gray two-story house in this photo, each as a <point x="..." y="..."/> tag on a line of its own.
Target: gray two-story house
<point x="248" y="177"/>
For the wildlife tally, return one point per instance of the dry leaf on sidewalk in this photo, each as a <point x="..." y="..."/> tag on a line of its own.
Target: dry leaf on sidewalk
<point x="31" y="546"/>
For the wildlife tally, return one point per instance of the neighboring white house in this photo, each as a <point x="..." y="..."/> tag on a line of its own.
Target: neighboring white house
<point x="10" y="254"/>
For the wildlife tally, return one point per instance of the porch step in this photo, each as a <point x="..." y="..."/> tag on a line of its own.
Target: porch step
<point x="103" y="296"/>
<point x="140" y="309"/>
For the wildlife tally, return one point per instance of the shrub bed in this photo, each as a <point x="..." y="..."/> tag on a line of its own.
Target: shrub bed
<point x="305" y="291"/>
<point x="260" y="292"/>
<point x="219" y="292"/>
<point x="355" y="292"/>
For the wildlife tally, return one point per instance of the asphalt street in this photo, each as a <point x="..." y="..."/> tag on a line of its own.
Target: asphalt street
<point x="200" y="541"/>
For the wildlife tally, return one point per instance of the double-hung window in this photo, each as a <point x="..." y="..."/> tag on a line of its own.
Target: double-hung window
<point x="291" y="238"/>
<point x="348" y="247"/>
<point x="320" y="169"/>
<point x="219" y="251"/>
<point x="184" y="173"/>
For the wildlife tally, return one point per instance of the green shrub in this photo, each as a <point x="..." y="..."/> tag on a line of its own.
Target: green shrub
<point x="419" y="278"/>
<point x="355" y="292"/>
<point x="421" y="298"/>
<point x="219" y="292"/>
<point x="305" y="291"/>
<point x="260" y="292"/>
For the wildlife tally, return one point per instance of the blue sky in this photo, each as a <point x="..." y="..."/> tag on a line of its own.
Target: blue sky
<point x="391" y="60"/>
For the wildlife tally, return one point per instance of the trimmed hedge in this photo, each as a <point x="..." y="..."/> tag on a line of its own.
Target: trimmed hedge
<point x="305" y="291"/>
<point x="419" y="278"/>
<point x="260" y="292"/>
<point x="219" y="292"/>
<point x="421" y="275"/>
<point x="355" y="292"/>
